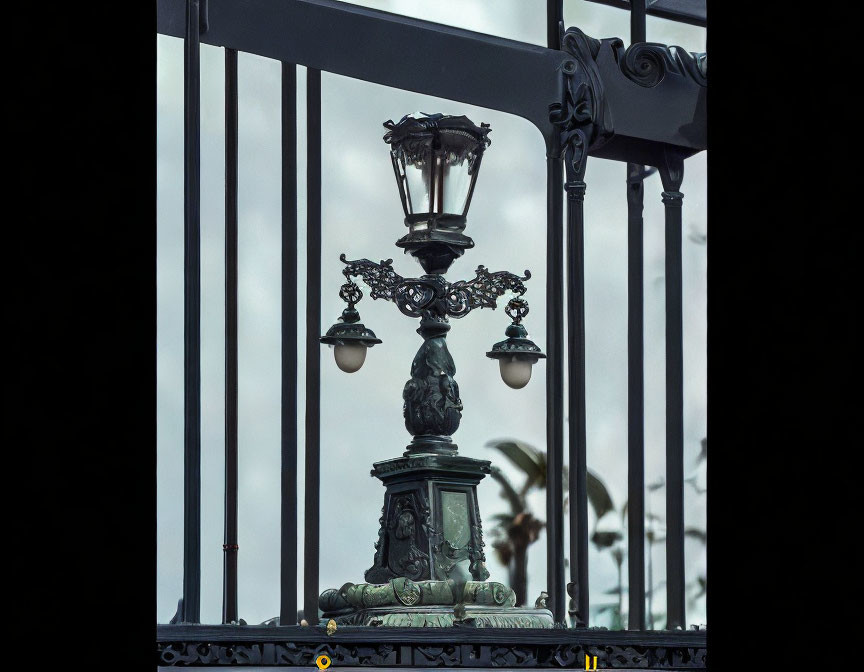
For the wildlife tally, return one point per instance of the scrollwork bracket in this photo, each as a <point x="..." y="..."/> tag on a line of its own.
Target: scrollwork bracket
<point x="431" y="296"/>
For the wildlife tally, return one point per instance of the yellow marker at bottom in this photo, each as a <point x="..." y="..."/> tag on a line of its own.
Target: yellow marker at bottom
<point x="323" y="662"/>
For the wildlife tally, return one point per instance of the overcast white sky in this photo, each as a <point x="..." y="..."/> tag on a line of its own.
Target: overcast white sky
<point x="361" y="414"/>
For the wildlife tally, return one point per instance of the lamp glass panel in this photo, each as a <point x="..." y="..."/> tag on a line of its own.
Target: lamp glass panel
<point x="457" y="181"/>
<point x="417" y="178"/>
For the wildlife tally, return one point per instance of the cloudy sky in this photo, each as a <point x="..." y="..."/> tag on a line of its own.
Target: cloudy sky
<point x="361" y="413"/>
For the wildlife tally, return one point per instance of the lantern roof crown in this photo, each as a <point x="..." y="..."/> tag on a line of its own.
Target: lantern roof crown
<point x="413" y="133"/>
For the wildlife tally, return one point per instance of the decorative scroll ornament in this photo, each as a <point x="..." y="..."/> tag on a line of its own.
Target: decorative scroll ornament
<point x="648" y="63"/>
<point x="350" y="293"/>
<point x="550" y="652"/>
<point x="584" y="105"/>
<point x="420" y="297"/>
<point x="401" y="538"/>
<point x="431" y="295"/>
<point x="517" y="309"/>
<point x="477" y="568"/>
<point x="540" y="602"/>
<point x="404" y="592"/>
<point x="483" y="291"/>
<point x="405" y="553"/>
<point x="379" y="544"/>
<point x="381" y="278"/>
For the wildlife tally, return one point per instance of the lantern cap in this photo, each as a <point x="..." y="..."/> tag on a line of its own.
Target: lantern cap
<point x="348" y="330"/>
<point x="517" y="345"/>
<point x="349" y="333"/>
<point x="413" y="133"/>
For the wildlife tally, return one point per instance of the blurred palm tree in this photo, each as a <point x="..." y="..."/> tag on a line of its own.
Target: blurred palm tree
<point x="515" y="531"/>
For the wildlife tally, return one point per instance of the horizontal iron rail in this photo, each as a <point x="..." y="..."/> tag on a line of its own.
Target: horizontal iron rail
<point x="683" y="11"/>
<point x="464" y="647"/>
<point x="348" y="634"/>
<point x="387" y="49"/>
<point x="434" y="59"/>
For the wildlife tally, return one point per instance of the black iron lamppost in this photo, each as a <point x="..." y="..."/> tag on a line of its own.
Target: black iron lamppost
<point x="429" y="566"/>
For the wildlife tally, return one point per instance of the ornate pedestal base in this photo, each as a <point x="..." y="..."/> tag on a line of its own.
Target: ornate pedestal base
<point x="405" y="603"/>
<point x="430" y="523"/>
<point x="429" y="568"/>
<point x="443" y="617"/>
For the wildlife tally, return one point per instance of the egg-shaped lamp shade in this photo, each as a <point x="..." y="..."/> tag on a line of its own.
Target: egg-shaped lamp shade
<point x="516" y="356"/>
<point x="515" y="372"/>
<point x="436" y="160"/>
<point x="350" y="357"/>
<point x="350" y="340"/>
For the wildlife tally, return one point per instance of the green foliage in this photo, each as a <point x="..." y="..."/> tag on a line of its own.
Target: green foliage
<point x="696" y="533"/>
<point x="516" y="500"/>
<point x="513" y="532"/>
<point x="532" y="462"/>
<point x="605" y="539"/>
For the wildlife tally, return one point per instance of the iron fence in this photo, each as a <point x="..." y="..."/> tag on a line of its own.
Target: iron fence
<point x="644" y="105"/>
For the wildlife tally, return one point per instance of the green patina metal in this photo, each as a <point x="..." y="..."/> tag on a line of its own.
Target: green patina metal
<point x="404" y="603"/>
<point x="445" y="617"/>
<point x="429" y="568"/>
<point x="430" y="523"/>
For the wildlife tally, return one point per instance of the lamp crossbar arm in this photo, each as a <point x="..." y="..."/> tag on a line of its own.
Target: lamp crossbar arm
<point x="432" y="294"/>
<point x="380" y="277"/>
<point x="482" y="291"/>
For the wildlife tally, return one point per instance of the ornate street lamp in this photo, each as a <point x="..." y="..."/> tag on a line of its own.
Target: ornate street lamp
<point x="429" y="566"/>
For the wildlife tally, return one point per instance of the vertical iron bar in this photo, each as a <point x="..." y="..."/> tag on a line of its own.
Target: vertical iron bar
<point x="637" y="21"/>
<point x="313" y="348"/>
<point x="554" y="19"/>
<point x="439" y="169"/>
<point x="288" y="567"/>
<point x="554" y="387"/>
<point x="555" y="352"/>
<point x="635" y="400"/>
<point x="578" y="486"/>
<point x="191" y="608"/>
<point x="672" y="173"/>
<point x="230" y="547"/>
<point x="635" y="370"/>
